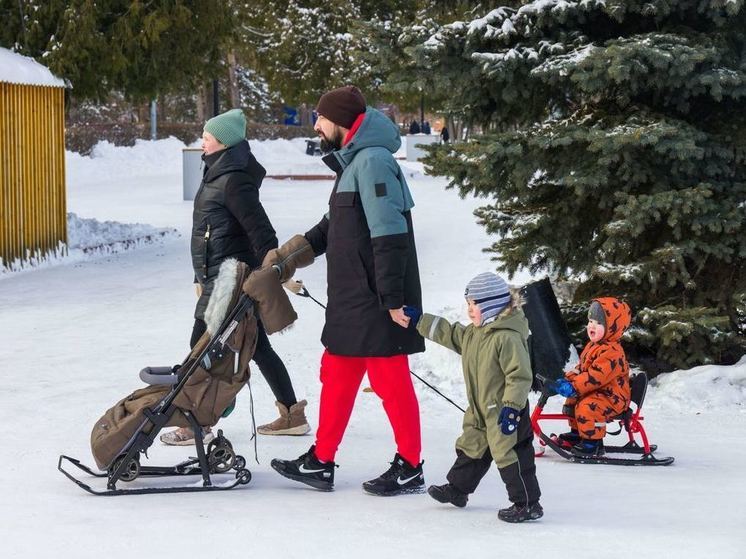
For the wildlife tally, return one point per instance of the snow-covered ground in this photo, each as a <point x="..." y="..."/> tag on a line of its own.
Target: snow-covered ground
<point x="76" y="333"/>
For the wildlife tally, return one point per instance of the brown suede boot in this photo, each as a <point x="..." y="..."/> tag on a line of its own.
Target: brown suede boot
<point x="291" y="421"/>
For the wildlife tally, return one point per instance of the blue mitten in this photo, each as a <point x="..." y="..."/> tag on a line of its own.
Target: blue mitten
<point x="563" y="387"/>
<point x="414" y="315"/>
<point x="509" y="418"/>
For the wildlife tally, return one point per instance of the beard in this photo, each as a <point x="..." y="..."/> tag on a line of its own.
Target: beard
<point x="328" y="145"/>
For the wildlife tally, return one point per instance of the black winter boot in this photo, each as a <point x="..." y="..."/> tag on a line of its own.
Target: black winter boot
<point x="448" y="494"/>
<point x="567" y="440"/>
<point x="588" y="448"/>
<point x="307" y="469"/>
<point x="520" y="513"/>
<point x="400" y="478"/>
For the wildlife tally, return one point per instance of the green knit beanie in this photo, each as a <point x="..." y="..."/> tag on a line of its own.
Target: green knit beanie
<point x="228" y="128"/>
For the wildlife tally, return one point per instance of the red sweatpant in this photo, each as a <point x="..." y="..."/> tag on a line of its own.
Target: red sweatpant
<point x="389" y="378"/>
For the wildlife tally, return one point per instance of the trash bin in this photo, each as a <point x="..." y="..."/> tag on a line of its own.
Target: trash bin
<point x="313" y="147"/>
<point x="191" y="171"/>
<point x="549" y="343"/>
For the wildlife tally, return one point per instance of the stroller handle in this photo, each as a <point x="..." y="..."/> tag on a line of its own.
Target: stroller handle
<point x="239" y="312"/>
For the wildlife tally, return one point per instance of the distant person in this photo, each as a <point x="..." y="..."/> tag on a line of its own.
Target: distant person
<point x="497" y="372"/>
<point x="445" y="136"/>
<point x="426" y="128"/>
<point x="414" y="128"/>
<point x="229" y="221"/>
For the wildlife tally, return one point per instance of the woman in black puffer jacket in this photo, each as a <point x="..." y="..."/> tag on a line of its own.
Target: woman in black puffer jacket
<point x="229" y="221"/>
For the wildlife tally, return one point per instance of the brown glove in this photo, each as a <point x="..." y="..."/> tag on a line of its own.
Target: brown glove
<point x="296" y="253"/>
<point x="272" y="302"/>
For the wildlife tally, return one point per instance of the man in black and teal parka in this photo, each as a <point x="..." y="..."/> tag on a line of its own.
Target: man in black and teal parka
<point x="372" y="274"/>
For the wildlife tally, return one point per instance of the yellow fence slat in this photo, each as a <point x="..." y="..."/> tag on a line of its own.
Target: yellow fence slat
<point x="32" y="170"/>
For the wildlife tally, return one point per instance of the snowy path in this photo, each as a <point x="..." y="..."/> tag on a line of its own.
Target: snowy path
<point x="75" y="336"/>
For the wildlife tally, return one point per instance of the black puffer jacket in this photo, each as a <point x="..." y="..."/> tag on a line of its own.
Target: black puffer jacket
<point x="228" y="221"/>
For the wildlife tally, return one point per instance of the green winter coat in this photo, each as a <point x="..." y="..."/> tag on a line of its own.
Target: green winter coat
<point x="497" y="373"/>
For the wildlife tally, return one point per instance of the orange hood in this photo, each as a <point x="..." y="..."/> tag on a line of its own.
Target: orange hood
<point x="618" y="317"/>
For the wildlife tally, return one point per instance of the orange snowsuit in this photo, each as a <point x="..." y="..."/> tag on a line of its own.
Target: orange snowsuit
<point x="602" y="377"/>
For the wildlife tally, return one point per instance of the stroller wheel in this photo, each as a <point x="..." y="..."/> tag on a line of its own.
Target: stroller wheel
<point x="240" y="463"/>
<point x="130" y="471"/>
<point x="221" y="458"/>
<point x="220" y="440"/>
<point x="243" y="476"/>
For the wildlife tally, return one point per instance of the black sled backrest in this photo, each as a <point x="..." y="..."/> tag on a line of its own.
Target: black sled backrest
<point x="549" y="343"/>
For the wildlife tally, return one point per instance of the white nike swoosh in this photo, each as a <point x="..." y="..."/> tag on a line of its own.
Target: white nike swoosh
<point x="303" y="470"/>
<point x="401" y="481"/>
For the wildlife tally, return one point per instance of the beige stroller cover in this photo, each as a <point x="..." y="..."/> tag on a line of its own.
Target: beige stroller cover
<point x="208" y="391"/>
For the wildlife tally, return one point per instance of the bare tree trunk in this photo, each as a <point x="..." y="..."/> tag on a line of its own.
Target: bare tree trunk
<point x="455" y="128"/>
<point x="233" y="80"/>
<point x="201" y="103"/>
<point x="305" y="115"/>
<point x="143" y="112"/>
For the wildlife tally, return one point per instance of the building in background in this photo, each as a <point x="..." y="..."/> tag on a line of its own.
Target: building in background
<point x="33" y="221"/>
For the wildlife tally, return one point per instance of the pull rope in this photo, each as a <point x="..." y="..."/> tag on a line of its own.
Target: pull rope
<point x="305" y="293"/>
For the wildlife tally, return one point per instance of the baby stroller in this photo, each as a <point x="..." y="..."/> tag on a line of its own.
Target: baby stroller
<point x="551" y="352"/>
<point x="194" y="393"/>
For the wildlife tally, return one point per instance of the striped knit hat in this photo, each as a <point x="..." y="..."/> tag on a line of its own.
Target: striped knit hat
<point x="491" y="294"/>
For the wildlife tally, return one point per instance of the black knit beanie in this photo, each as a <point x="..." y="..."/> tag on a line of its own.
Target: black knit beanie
<point x="342" y="105"/>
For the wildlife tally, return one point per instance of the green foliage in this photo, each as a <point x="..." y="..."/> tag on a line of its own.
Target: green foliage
<point x="300" y="46"/>
<point x="140" y="48"/>
<point x="704" y="332"/>
<point x="614" y="152"/>
<point x="305" y="47"/>
<point x="387" y="46"/>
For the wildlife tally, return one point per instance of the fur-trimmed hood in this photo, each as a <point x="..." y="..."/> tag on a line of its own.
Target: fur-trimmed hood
<point x="222" y="294"/>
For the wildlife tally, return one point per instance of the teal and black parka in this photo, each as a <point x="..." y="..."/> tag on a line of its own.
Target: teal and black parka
<point x="368" y="240"/>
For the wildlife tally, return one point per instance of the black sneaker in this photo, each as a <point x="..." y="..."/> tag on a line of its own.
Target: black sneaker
<point x="399" y="478"/>
<point x="307" y="469"/>
<point x="448" y="494"/>
<point x="588" y="448"/>
<point x="521" y="513"/>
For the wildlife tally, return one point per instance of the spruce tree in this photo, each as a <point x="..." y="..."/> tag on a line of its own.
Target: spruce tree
<point x="386" y="46"/>
<point x="300" y="46"/>
<point x="613" y="149"/>
<point x="306" y="47"/>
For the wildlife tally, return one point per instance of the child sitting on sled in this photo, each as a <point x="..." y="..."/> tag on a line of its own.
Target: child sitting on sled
<point x="597" y="389"/>
<point x="497" y="372"/>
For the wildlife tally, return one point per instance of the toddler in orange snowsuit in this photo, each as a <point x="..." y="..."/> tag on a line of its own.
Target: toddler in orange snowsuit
<point x="599" y="385"/>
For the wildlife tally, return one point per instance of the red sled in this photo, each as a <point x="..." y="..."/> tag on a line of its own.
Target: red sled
<point x="632" y="453"/>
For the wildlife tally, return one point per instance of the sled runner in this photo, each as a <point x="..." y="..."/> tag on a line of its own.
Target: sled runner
<point x="630" y="454"/>
<point x="218" y="459"/>
<point x="194" y="394"/>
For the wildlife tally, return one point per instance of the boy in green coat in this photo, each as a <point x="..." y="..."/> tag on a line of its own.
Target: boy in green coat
<point x="497" y="372"/>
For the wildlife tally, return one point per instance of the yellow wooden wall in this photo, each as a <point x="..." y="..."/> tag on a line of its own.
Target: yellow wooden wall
<point x="32" y="170"/>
